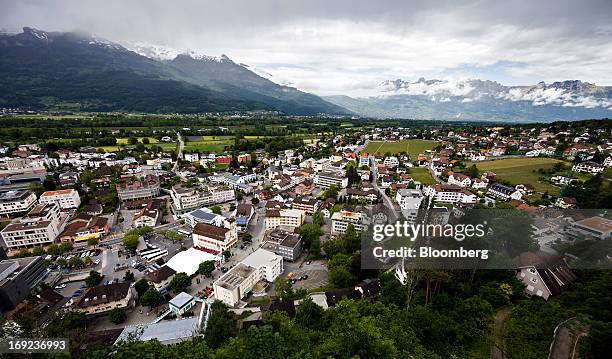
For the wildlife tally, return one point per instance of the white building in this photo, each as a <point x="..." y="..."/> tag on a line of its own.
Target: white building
<point x="588" y="167"/>
<point x="341" y="220"/>
<point x="213" y="238"/>
<point x="409" y="201"/>
<point x="16" y="202"/>
<point x="322" y="165"/>
<point x="329" y="178"/>
<point x="459" y="179"/>
<point x="65" y="198"/>
<point x="446" y="193"/>
<point x="503" y="192"/>
<point x="284" y="217"/>
<point x="37" y="228"/>
<point x="241" y="279"/>
<point x="391" y="161"/>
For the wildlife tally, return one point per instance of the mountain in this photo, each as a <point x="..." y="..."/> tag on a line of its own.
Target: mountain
<point x="224" y="75"/>
<point x="40" y="69"/>
<point x="474" y="99"/>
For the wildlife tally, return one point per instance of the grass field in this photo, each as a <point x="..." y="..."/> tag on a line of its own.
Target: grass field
<point x="124" y="141"/>
<point x="521" y="170"/>
<point x="422" y="175"/>
<point x="208" y="143"/>
<point x="412" y="147"/>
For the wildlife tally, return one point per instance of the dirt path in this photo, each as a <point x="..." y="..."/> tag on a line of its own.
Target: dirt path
<point x="498" y="332"/>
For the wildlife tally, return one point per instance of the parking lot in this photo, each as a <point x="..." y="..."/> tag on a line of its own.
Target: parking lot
<point x="316" y="271"/>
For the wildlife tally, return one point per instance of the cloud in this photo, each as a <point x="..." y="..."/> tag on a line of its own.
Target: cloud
<point x="349" y="47"/>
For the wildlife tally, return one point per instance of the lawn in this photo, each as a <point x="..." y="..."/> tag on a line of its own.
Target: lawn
<point x="521" y="170"/>
<point x="422" y="175"/>
<point x="412" y="147"/>
<point x="124" y="141"/>
<point x="208" y="143"/>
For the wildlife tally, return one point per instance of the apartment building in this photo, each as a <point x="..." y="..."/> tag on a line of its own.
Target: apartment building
<point x="308" y="205"/>
<point x="321" y="165"/>
<point x="448" y="193"/>
<point x="131" y="189"/>
<point x="284" y="217"/>
<point x="341" y="220"/>
<point x="503" y="192"/>
<point x="65" y="198"/>
<point x="285" y="244"/>
<point x="327" y="179"/>
<point x="588" y="167"/>
<point x="239" y="281"/>
<point x="14" y="202"/>
<point x="39" y="227"/>
<point x="189" y="198"/>
<point x="213" y="238"/>
<point x="203" y="215"/>
<point x="409" y="201"/>
<point x="459" y="179"/>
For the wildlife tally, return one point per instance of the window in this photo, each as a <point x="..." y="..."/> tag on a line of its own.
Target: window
<point x="534" y="280"/>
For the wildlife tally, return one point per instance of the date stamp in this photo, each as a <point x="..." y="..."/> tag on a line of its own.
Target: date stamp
<point x="33" y="345"/>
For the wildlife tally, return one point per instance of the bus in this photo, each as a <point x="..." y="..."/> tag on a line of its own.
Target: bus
<point x="151" y="256"/>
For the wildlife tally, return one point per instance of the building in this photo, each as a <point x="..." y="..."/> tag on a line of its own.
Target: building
<point x="160" y="278"/>
<point x="544" y="275"/>
<point x="181" y="304"/>
<point x="321" y="165"/>
<point x="83" y="227"/>
<point x="214" y="238"/>
<point x="327" y="179"/>
<point x="188" y="261"/>
<point x="167" y="332"/>
<point x="459" y="179"/>
<point x="187" y="198"/>
<point x="17" y="279"/>
<point x="369" y="195"/>
<point x="503" y="192"/>
<point x="239" y="281"/>
<point x="588" y="167"/>
<point x="284" y="217"/>
<point x="203" y="215"/>
<point x="65" y="198"/>
<point x="148" y="215"/>
<point x="594" y="227"/>
<point x="14" y="202"/>
<point x="39" y="227"/>
<point x="448" y="193"/>
<point x="285" y="244"/>
<point x="409" y="201"/>
<point x="341" y="220"/>
<point x="244" y="214"/>
<point x="99" y="300"/>
<point x="308" y="205"/>
<point x="131" y="189"/>
<point x="391" y="161"/>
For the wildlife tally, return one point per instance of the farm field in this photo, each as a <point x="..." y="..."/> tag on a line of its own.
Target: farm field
<point x="521" y="170"/>
<point x="124" y="141"/>
<point x="422" y="175"/>
<point x="208" y="143"/>
<point x="412" y="147"/>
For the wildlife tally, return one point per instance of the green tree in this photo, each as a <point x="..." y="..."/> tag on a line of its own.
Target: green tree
<point x="65" y="247"/>
<point x="150" y="298"/>
<point x="180" y="283"/>
<point x="283" y="289"/>
<point x="129" y="276"/>
<point x="206" y="268"/>
<point x="75" y="261"/>
<point x="216" y="209"/>
<point x="226" y="254"/>
<point x="221" y="325"/>
<point x="340" y="277"/>
<point x="130" y="241"/>
<point x="141" y="286"/>
<point x="310" y="233"/>
<point x="38" y="251"/>
<point x="53" y="249"/>
<point x="117" y="315"/>
<point x="92" y="242"/>
<point x="93" y="279"/>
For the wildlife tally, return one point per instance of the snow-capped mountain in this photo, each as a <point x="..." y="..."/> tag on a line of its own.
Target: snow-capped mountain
<point x="476" y="99"/>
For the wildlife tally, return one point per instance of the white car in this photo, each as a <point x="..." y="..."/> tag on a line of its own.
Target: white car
<point x="60" y="286"/>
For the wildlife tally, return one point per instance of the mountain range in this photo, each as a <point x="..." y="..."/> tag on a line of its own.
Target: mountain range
<point x="40" y="69"/>
<point x="74" y="71"/>
<point x="473" y="99"/>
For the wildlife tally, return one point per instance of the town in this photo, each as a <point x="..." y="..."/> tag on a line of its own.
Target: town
<point x="201" y="230"/>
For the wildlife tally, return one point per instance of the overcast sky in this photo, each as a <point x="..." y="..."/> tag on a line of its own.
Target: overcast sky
<point x="350" y="46"/>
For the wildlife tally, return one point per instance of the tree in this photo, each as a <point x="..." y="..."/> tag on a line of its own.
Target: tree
<point x="75" y="261"/>
<point x="65" y="247"/>
<point x="309" y="314"/>
<point x="141" y="286"/>
<point x="255" y="200"/>
<point x="317" y="218"/>
<point x="117" y="315"/>
<point x="310" y="233"/>
<point x="87" y="260"/>
<point x="129" y="276"/>
<point x="180" y="283"/>
<point x="61" y="262"/>
<point x="216" y="209"/>
<point x="206" y="268"/>
<point x="221" y="325"/>
<point x="38" y="251"/>
<point x="283" y="289"/>
<point x="93" y="242"/>
<point x="340" y="277"/>
<point x="130" y="241"/>
<point x="227" y="254"/>
<point x="472" y="171"/>
<point x="93" y="279"/>
<point x="247" y="237"/>
<point x="150" y="298"/>
<point x="53" y="249"/>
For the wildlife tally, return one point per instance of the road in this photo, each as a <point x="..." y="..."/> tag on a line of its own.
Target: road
<point x="386" y="200"/>
<point x="179" y="155"/>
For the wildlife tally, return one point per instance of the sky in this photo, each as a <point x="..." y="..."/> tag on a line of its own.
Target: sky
<point x="348" y="47"/>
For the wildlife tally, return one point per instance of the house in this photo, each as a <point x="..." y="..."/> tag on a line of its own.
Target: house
<point x="409" y="201"/>
<point x="160" y="278"/>
<point x="101" y="299"/>
<point x="342" y="219"/>
<point x="477" y="183"/>
<point x="182" y="303"/>
<point x="284" y="217"/>
<point x="244" y="214"/>
<point x="448" y="193"/>
<point x="503" y="192"/>
<point x="459" y="179"/>
<point x="83" y="227"/>
<point x="544" y="275"/>
<point x="566" y="202"/>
